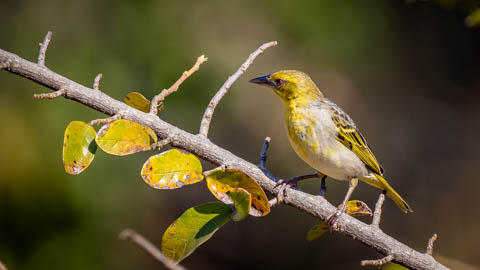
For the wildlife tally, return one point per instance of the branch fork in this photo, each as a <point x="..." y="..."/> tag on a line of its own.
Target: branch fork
<point x="207" y="115"/>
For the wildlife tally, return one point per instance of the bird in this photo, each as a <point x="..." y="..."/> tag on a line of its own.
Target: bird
<point x="325" y="137"/>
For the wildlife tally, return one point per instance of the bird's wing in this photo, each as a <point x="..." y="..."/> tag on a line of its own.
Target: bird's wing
<point x="350" y="136"/>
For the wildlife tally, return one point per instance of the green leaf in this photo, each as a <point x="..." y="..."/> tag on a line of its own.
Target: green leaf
<point x="140" y="102"/>
<point x="124" y="137"/>
<point x="354" y="208"/>
<point x="242" y="200"/>
<point x="172" y="169"/>
<point x="79" y="147"/>
<point x="220" y="181"/>
<point x="194" y="227"/>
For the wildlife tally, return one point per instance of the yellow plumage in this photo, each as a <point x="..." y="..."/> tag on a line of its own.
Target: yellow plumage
<point x="324" y="136"/>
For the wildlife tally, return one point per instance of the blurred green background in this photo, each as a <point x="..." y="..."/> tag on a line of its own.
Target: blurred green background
<point x="408" y="73"/>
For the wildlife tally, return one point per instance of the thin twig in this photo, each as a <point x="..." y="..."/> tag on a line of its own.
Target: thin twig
<point x="160" y="144"/>
<point x="222" y="167"/>
<point x="207" y="115"/>
<point x="104" y="121"/>
<point x="96" y="82"/>
<point x="263" y="159"/>
<point x="378" y="262"/>
<point x="378" y="210"/>
<point x="51" y="95"/>
<point x="43" y="48"/>
<point x="431" y="241"/>
<point x="151" y="249"/>
<point x="161" y="97"/>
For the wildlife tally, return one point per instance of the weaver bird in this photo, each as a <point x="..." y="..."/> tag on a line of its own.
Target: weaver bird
<point x="325" y="137"/>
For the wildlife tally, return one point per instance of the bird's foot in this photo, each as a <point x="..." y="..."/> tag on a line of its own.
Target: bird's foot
<point x="284" y="185"/>
<point x="332" y="221"/>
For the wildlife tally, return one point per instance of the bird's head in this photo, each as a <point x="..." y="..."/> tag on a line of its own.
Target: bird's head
<point x="290" y="85"/>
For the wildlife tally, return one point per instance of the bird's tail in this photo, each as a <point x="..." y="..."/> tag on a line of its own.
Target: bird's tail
<point x="378" y="181"/>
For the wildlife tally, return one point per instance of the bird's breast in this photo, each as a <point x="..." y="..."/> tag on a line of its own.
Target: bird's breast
<point x="312" y="135"/>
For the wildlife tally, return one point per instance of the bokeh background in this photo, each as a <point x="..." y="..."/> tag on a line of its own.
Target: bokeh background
<point x="407" y="72"/>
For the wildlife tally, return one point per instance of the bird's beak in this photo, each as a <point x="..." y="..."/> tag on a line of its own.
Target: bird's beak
<point x="262" y="80"/>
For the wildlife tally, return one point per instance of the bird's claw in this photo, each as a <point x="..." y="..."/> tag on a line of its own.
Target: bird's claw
<point x="333" y="220"/>
<point x="284" y="185"/>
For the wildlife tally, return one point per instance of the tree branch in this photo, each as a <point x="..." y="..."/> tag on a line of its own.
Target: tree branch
<point x="378" y="210"/>
<point x="205" y="149"/>
<point x="431" y="241"/>
<point x="378" y="262"/>
<point x="43" y="48"/>
<point x="207" y="115"/>
<point x="151" y="249"/>
<point x="52" y="95"/>
<point x="160" y="97"/>
<point x="96" y="82"/>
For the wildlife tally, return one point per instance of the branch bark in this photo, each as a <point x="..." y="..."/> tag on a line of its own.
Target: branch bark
<point x="204" y="148"/>
<point x="151" y="249"/>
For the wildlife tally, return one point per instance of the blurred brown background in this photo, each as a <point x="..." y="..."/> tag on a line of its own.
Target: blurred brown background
<point x="408" y="73"/>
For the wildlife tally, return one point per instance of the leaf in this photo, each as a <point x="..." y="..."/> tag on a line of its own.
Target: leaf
<point x="172" y="169"/>
<point x="79" y="147"/>
<point x="473" y="19"/>
<point x="220" y="181"/>
<point x="124" y="137"/>
<point x="393" y="266"/>
<point x="242" y="200"/>
<point x="194" y="227"/>
<point x="140" y="102"/>
<point x="354" y="208"/>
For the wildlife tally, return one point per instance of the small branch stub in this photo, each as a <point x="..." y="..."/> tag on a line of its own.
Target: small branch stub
<point x="161" y="97"/>
<point x="51" y="95"/>
<point x="160" y="144"/>
<point x="207" y="115"/>
<point x="263" y="159"/>
<point x="151" y="249"/>
<point x="43" y="48"/>
<point x="96" y="82"/>
<point x="431" y="241"/>
<point x="378" y="210"/>
<point x="378" y="262"/>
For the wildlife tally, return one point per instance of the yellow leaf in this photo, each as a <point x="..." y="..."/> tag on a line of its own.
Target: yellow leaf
<point x="78" y="147"/>
<point x="219" y="182"/>
<point x="193" y="228"/>
<point x="124" y="137"/>
<point x="139" y="102"/>
<point x="354" y="208"/>
<point x="172" y="169"/>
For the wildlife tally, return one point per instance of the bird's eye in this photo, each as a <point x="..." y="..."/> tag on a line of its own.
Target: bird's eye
<point x="279" y="82"/>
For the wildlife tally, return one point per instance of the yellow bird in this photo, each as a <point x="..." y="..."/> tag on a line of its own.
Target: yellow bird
<point x="325" y="137"/>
